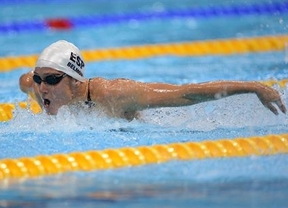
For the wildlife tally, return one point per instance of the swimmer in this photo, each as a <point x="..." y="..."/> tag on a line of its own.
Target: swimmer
<point x="58" y="80"/>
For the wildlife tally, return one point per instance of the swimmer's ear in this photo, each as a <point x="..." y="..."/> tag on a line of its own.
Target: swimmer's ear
<point x="74" y="82"/>
<point x="77" y="82"/>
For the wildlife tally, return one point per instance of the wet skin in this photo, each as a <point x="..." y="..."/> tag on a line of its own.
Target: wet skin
<point x="124" y="98"/>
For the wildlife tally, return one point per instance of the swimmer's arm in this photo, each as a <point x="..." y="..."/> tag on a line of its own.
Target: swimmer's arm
<point x="166" y="95"/>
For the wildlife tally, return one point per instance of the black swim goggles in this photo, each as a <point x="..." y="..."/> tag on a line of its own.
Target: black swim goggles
<point x="50" y="79"/>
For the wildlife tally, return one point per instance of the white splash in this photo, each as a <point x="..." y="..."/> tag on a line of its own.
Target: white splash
<point x="231" y="112"/>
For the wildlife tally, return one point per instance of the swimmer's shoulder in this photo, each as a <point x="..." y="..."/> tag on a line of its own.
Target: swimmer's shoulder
<point x="97" y="83"/>
<point x="98" y="88"/>
<point x="100" y="82"/>
<point x="102" y="89"/>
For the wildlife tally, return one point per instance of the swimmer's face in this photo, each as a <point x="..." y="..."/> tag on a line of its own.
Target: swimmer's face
<point x="54" y="95"/>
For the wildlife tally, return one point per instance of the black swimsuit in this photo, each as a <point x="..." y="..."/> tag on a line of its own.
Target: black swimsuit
<point x="89" y="102"/>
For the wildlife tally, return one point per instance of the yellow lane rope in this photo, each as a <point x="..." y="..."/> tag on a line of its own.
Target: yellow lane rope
<point x="44" y="165"/>
<point x="6" y="109"/>
<point x="195" y="48"/>
<point x="281" y="83"/>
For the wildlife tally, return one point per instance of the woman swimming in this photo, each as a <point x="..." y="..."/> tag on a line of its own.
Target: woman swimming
<point x="58" y="80"/>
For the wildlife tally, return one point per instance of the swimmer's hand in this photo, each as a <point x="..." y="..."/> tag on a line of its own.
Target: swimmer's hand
<point x="25" y="82"/>
<point x="268" y="96"/>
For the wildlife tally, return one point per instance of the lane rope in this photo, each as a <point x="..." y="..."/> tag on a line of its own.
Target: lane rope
<point x="108" y="19"/>
<point x="193" y="48"/>
<point x="21" y="2"/>
<point x="44" y="165"/>
<point x="6" y="109"/>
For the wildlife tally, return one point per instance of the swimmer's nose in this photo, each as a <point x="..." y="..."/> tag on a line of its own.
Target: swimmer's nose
<point x="43" y="87"/>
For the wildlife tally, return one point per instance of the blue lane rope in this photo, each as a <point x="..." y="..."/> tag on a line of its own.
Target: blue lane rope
<point x="185" y="13"/>
<point x="101" y="20"/>
<point x="21" y="2"/>
<point x="23" y="26"/>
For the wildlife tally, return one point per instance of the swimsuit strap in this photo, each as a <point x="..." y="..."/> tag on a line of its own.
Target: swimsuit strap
<point x="88" y="94"/>
<point x="89" y="101"/>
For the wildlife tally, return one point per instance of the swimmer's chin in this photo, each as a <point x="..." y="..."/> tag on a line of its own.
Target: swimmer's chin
<point x="49" y="111"/>
<point x="54" y="111"/>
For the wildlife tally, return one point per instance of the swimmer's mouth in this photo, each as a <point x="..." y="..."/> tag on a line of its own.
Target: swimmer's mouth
<point x="46" y="102"/>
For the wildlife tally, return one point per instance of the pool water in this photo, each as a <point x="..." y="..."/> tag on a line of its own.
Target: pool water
<point x="255" y="181"/>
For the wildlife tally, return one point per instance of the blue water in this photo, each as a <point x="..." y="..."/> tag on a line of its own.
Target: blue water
<point x="234" y="182"/>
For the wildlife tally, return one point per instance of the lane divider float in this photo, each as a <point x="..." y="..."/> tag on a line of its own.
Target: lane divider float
<point x="193" y="48"/>
<point x="44" y="165"/>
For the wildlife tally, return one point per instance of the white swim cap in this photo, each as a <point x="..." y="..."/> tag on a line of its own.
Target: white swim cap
<point x="63" y="56"/>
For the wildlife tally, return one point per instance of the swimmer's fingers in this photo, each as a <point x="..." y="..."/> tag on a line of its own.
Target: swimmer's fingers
<point x="269" y="96"/>
<point x="281" y="106"/>
<point x="272" y="108"/>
